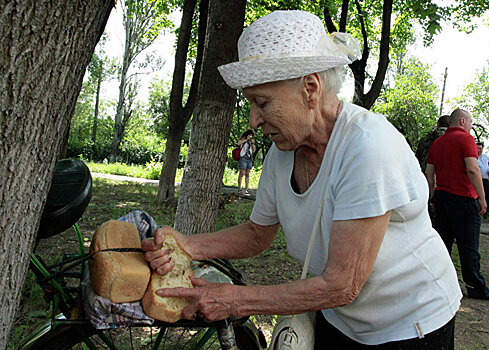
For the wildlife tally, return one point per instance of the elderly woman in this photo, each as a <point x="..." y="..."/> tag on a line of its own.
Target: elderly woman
<point x="382" y="275"/>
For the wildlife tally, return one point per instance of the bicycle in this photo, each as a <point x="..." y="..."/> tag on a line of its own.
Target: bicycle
<point x="68" y="328"/>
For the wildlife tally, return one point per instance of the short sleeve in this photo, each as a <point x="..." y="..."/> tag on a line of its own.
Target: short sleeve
<point x="265" y="209"/>
<point x="377" y="173"/>
<point x="470" y="147"/>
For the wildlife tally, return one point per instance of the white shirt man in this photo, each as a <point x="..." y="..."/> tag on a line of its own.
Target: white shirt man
<point x="483" y="161"/>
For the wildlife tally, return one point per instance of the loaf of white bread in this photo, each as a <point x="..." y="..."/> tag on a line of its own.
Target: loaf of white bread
<point x="118" y="276"/>
<point x="169" y="309"/>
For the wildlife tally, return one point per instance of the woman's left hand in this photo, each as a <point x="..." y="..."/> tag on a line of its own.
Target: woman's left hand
<point x="211" y="301"/>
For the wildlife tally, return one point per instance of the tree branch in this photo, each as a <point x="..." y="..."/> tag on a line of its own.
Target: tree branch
<point x="192" y="97"/>
<point x="374" y="92"/>
<point x="361" y="16"/>
<point x="344" y="15"/>
<point x="176" y="95"/>
<point x="328" y="20"/>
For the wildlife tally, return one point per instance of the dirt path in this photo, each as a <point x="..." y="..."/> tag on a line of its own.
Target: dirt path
<point x="472" y="323"/>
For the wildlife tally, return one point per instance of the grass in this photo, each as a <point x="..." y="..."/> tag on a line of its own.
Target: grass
<point x="152" y="171"/>
<point x="112" y="199"/>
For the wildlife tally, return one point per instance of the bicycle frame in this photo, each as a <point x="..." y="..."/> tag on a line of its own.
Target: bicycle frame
<point x="61" y="299"/>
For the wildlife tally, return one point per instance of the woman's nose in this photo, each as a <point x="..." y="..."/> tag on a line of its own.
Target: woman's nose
<point x="256" y="119"/>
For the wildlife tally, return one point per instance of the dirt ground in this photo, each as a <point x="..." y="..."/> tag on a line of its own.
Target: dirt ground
<point x="472" y="322"/>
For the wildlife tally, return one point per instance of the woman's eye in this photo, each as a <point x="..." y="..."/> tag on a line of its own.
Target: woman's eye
<point x="261" y="102"/>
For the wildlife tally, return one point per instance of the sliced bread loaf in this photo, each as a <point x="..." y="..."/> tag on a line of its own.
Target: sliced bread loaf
<point x="169" y="309"/>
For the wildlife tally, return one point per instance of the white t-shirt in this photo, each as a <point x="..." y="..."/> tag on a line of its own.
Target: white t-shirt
<point x="483" y="162"/>
<point x="413" y="288"/>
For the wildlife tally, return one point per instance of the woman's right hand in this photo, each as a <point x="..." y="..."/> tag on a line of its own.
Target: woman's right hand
<point x="159" y="259"/>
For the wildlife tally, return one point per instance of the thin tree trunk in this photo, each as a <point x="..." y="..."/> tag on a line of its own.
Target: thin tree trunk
<point x="119" y="113"/>
<point x="166" y="187"/>
<point x="96" y="111"/>
<point x="198" y="202"/>
<point x="45" y="47"/>
<point x="180" y="115"/>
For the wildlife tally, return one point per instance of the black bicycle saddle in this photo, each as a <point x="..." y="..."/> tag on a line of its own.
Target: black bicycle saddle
<point x="68" y="197"/>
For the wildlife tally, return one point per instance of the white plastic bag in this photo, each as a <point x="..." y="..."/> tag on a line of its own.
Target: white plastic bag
<point x="294" y="332"/>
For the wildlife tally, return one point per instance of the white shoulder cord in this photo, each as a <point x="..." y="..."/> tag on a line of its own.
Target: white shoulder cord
<point x="307" y="261"/>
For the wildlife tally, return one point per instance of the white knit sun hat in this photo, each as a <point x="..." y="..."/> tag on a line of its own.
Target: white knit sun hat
<point x="284" y="45"/>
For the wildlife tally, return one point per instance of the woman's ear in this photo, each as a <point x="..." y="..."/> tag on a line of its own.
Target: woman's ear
<point x="312" y="88"/>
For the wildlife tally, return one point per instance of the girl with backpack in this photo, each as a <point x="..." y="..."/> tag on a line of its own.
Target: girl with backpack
<point x="245" y="162"/>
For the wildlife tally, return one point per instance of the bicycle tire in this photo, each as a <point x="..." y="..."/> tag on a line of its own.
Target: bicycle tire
<point x="64" y="338"/>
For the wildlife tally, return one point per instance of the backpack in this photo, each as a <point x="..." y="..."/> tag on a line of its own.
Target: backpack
<point x="236" y="153"/>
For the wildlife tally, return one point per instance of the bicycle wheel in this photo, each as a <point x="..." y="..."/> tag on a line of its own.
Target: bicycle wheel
<point x="141" y="337"/>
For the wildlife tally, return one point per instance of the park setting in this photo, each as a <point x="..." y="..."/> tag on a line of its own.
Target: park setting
<point x="168" y="115"/>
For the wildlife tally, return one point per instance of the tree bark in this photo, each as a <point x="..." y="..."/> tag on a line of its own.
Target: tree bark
<point x="198" y="202"/>
<point x="374" y="92"/>
<point x="119" y="112"/>
<point x="96" y="109"/>
<point x="179" y="114"/>
<point x="45" y="47"/>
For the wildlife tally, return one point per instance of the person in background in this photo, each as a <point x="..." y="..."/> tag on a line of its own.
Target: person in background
<point x="381" y="275"/>
<point x="245" y="162"/>
<point x="458" y="196"/>
<point x="424" y="146"/>
<point x="483" y="162"/>
<point x="425" y="142"/>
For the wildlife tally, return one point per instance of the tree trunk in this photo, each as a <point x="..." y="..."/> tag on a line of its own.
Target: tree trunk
<point x="45" y="47"/>
<point x="95" y="112"/>
<point x="119" y="112"/>
<point x="180" y="115"/>
<point x="166" y="186"/>
<point x="198" y="202"/>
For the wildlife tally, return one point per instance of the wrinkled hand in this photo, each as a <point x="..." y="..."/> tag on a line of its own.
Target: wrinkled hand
<point x="212" y="301"/>
<point x="158" y="258"/>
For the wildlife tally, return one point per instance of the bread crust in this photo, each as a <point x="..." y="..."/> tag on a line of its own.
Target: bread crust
<point x="118" y="276"/>
<point x="169" y="309"/>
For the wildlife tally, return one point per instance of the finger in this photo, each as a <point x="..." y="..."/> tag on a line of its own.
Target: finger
<point x="179" y="292"/>
<point x="198" y="282"/>
<point x="149" y="244"/>
<point x="160" y="234"/>
<point x="190" y="312"/>
<point x="155" y="254"/>
<point x="164" y="269"/>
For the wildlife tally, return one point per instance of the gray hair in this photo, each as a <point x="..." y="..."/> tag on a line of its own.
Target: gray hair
<point x="331" y="79"/>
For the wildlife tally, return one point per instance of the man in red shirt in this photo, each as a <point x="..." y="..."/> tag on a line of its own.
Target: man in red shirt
<point x="458" y="197"/>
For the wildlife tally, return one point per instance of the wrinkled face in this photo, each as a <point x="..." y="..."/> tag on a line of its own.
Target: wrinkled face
<point x="279" y="108"/>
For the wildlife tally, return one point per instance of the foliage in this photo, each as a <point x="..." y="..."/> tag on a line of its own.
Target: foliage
<point x="241" y="123"/>
<point x="475" y="99"/>
<point x="465" y="10"/>
<point x="142" y="20"/>
<point x="411" y="104"/>
<point x="159" y="106"/>
<point x="141" y="144"/>
<point x="79" y="141"/>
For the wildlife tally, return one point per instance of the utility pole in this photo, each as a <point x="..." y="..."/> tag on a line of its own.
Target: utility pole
<point x="443" y="90"/>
